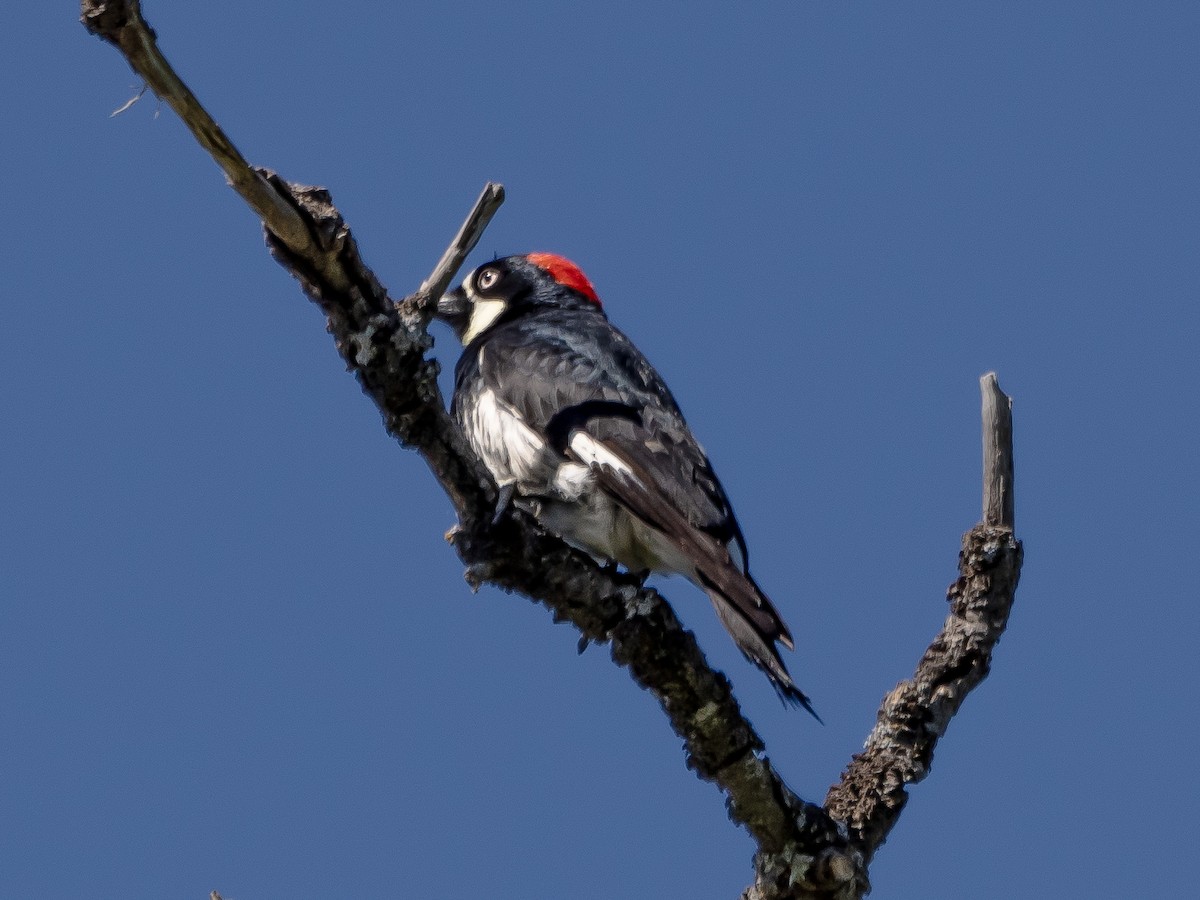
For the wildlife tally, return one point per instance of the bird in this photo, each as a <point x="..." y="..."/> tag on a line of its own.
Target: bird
<point x="576" y="426"/>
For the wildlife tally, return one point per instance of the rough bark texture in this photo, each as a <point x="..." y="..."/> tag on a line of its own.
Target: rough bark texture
<point x="871" y="793"/>
<point x="804" y="850"/>
<point x="899" y="750"/>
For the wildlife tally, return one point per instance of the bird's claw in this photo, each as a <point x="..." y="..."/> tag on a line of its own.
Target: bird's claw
<point x="504" y="498"/>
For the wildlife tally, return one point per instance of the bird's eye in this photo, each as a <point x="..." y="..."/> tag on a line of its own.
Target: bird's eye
<point x="487" y="278"/>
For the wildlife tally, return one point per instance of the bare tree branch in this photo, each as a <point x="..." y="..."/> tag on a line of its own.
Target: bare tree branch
<point x="997" y="454"/>
<point x="384" y="345"/>
<point x="464" y="242"/>
<point x="899" y="750"/>
<point x="804" y="851"/>
<point x="122" y="25"/>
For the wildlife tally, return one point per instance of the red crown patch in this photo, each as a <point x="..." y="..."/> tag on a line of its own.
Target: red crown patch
<point x="565" y="273"/>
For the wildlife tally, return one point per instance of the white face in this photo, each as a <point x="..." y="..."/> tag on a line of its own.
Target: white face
<point x="483" y="312"/>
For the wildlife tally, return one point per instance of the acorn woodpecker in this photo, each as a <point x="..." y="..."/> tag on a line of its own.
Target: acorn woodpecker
<point x="567" y="414"/>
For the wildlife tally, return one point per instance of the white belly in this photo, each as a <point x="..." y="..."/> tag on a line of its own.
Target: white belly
<point x="597" y="525"/>
<point x="512" y="451"/>
<point x="562" y="494"/>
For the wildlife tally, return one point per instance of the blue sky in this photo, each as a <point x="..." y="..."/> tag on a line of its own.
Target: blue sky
<point x="235" y="651"/>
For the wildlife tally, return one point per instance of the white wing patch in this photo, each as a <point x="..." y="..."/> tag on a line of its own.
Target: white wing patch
<point x="512" y="450"/>
<point x="590" y="451"/>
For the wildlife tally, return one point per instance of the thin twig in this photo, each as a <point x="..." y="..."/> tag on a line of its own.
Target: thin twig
<point x="122" y="25"/>
<point x="464" y="242"/>
<point x="128" y="103"/>
<point x="997" y="454"/>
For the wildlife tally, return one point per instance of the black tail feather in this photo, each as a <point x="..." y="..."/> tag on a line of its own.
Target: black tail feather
<point x="791" y="695"/>
<point x="747" y="614"/>
<point x="760" y="649"/>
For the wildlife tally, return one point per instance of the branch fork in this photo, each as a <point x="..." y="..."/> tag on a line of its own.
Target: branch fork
<point x="806" y="850"/>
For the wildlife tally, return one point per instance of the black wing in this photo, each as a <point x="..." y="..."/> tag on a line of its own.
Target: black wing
<point x="565" y="369"/>
<point x="569" y="371"/>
